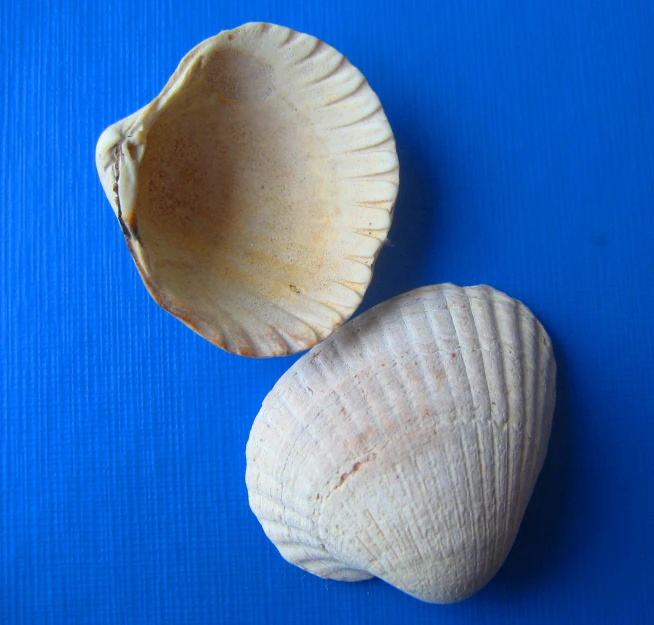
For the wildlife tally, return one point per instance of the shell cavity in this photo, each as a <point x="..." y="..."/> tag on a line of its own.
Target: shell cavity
<point x="256" y="190"/>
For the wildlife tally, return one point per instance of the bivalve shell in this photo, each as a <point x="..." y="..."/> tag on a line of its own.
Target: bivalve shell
<point x="407" y="445"/>
<point x="256" y="189"/>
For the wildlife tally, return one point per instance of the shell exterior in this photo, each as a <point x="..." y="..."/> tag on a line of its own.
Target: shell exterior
<point x="407" y="445"/>
<point x="256" y="189"/>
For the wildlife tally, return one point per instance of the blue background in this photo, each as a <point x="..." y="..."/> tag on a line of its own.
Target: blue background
<point x="525" y="132"/>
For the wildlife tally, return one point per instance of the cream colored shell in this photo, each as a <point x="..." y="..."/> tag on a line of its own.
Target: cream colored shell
<point x="407" y="445"/>
<point x="256" y="189"/>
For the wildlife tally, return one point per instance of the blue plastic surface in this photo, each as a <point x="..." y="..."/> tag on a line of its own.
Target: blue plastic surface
<point x="525" y="132"/>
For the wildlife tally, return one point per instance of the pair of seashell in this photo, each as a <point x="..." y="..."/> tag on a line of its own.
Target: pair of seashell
<point x="254" y="194"/>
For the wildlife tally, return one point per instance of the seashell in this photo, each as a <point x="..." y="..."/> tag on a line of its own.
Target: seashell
<point x="407" y="445"/>
<point x="256" y="189"/>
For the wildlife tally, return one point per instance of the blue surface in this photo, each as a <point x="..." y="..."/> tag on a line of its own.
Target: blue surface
<point x="525" y="132"/>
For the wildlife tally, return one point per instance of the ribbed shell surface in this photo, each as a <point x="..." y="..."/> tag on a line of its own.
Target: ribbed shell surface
<point x="406" y="446"/>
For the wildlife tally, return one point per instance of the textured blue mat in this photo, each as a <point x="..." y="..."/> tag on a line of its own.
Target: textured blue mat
<point x="525" y="132"/>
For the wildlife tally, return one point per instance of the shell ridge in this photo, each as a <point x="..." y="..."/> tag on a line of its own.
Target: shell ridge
<point x="357" y="287"/>
<point x="493" y="511"/>
<point x="381" y="175"/>
<point x="514" y="376"/>
<point x="281" y="532"/>
<point x="317" y="45"/>
<point x="492" y="349"/>
<point x="368" y="149"/>
<point x="367" y="232"/>
<point x="297" y="317"/>
<point x="333" y="344"/>
<point x="361" y="164"/>
<point x="509" y="325"/>
<point x="463" y="422"/>
<point x="380" y="204"/>
<point x="551" y="396"/>
<point x="295" y="537"/>
<point x="544" y="421"/>
<point x="329" y="305"/>
<point x="362" y="84"/>
<point x="528" y="398"/>
<point x="439" y="298"/>
<point x="265" y="27"/>
<point x="391" y="547"/>
<point x="355" y="334"/>
<point x="362" y="120"/>
<point x="526" y="416"/>
<point x="286" y="509"/>
<point x="539" y="357"/>
<point x="271" y="524"/>
<point x="469" y="364"/>
<point x="372" y="558"/>
<point x="544" y="407"/>
<point x="354" y="370"/>
<point x="366" y="261"/>
<point x="318" y="414"/>
<point x="281" y="398"/>
<point x="259" y="327"/>
<point x="506" y="304"/>
<point x="264" y="330"/>
<point x="233" y="332"/>
<point x="318" y="372"/>
<point x="406" y="389"/>
<point x="291" y="35"/>
<point x="539" y="416"/>
<point x="292" y="344"/>
<point x="289" y="346"/>
<point x="367" y="353"/>
<point x="342" y="66"/>
<point x="535" y="397"/>
<point x="458" y="423"/>
<point x="504" y="424"/>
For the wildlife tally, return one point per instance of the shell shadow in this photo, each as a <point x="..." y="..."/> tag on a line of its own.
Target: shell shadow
<point x="401" y="262"/>
<point x="541" y="544"/>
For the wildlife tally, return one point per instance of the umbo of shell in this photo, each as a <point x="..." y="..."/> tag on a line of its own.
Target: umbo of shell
<point x="406" y="446"/>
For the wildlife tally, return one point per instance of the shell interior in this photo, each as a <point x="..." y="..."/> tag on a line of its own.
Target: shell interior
<point x="256" y="190"/>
